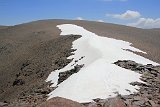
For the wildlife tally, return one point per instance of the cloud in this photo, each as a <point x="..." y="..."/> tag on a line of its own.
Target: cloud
<point x="79" y="18"/>
<point x="100" y="21"/>
<point x="129" y="14"/>
<point x="146" y="23"/>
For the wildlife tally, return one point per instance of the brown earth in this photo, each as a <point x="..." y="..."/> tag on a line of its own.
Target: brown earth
<point x="61" y="102"/>
<point x="28" y="53"/>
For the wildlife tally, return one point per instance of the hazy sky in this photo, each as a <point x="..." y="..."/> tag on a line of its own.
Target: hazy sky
<point x="139" y="13"/>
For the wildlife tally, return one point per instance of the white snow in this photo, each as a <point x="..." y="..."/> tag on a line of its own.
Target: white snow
<point x="99" y="78"/>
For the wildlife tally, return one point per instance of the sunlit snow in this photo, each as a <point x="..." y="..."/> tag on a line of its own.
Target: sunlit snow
<point x="99" y="77"/>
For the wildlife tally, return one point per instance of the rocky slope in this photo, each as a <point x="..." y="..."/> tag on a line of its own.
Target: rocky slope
<point x="25" y="80"/>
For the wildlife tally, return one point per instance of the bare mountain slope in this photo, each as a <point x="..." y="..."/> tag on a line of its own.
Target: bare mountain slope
<point x="146" y="40"/>
<point x="30" y="51"/>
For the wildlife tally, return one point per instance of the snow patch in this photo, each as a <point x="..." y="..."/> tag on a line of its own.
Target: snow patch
<point x="99" y="77"/>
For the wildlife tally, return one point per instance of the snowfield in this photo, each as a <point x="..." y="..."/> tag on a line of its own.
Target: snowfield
<point x="99" y="77"/>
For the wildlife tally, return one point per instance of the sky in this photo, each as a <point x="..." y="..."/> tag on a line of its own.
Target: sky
<point x="137" y="13"/>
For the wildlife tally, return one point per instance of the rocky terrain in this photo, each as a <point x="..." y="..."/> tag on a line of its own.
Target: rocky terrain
<point x="148" y="95"/>
<point x="30" y="52"/>
<point x="64" y="75"/>
<point x="28" y="84"/>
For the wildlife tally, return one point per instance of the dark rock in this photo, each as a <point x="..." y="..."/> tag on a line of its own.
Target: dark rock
<point x="127" y="64"/>
<point x="64" y="75"/>
<point x="43" y="91"/>
<point x="81" y="57"/>
<point x="60" y="62"/>
<point x="17" y="75"/>
<point x="25" y="65"/>
<point x="76" y="61"/>
<point x="139" y="84"/>
<point x="97" y="99"/>
<point x="154" y="73"/>
<point x="18" y="82"/>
